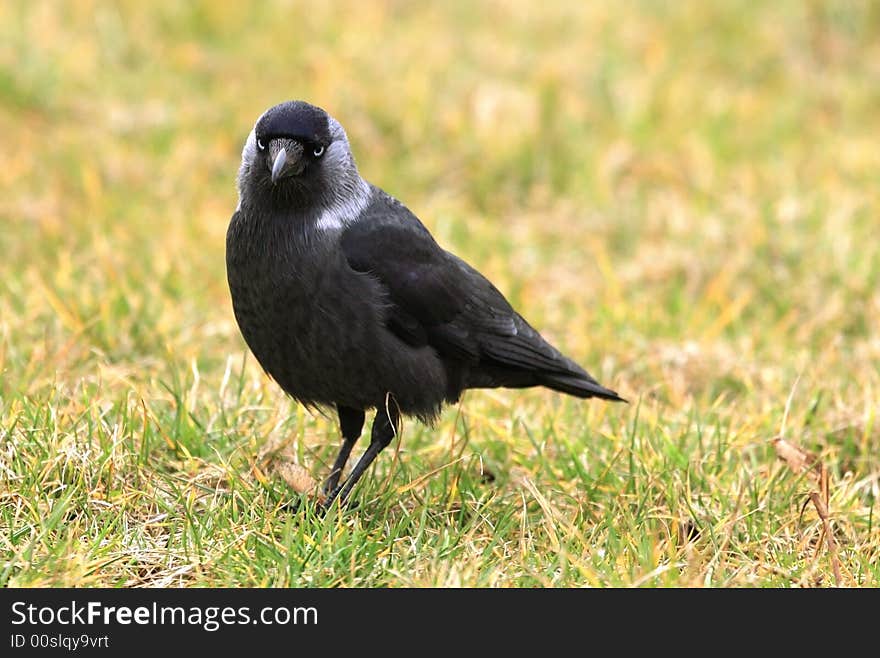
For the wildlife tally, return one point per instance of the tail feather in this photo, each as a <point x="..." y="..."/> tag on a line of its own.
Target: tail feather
<point x="578" y="386"/>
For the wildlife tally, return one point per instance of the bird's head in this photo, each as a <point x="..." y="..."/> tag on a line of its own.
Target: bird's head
<point x="297" y="155"/>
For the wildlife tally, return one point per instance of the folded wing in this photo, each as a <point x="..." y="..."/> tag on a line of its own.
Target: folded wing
<point x="437" y="299"/>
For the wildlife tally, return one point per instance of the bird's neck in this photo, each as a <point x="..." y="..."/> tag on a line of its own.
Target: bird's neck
<point x="298" y="212"/>
<point x="345" y="207"/>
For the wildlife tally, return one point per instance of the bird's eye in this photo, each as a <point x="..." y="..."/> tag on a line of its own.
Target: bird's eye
<point x="319" y="151"/>
<point x="260" y="145"/>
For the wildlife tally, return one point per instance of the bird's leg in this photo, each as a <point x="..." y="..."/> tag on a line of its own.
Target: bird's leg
<point x="384" y="428"/>
<point x="351" y="422"/>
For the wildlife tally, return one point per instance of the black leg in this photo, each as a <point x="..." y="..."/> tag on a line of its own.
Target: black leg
<point x="384" y="428"/>
<point x="351" y="422"/>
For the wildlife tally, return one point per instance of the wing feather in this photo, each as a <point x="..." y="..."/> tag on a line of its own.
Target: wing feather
<point x="437" y="299"/>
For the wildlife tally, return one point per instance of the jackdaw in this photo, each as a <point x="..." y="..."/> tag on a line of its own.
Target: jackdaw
<point x="347" y="301"/>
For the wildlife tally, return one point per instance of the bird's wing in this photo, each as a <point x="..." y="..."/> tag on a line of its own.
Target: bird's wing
<point x="439" y="300"/>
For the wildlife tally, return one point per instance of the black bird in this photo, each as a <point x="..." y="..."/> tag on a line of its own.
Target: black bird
<point x="347" y="301"/>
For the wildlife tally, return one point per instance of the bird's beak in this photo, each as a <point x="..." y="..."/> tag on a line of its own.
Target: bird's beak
<point x="284" y="158"/>
<point x="278" y="165"/>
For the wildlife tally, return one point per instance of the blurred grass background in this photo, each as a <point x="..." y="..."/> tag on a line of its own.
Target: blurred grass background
<point x="682" y="196"/>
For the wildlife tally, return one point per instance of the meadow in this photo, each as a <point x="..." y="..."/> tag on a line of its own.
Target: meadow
<point x="684" y="197"/>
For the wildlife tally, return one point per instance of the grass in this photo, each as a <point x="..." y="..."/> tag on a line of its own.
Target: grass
<point x="681" y="196"/>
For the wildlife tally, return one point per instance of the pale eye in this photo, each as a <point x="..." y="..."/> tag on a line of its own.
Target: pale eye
<point x="260" y="145"/>
<point x="319" y="151"/>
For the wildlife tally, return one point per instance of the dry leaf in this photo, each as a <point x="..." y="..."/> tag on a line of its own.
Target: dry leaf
<point x="281" y="461"/>
<point x="296" y="476"/>
<point x="799" y="460"/>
